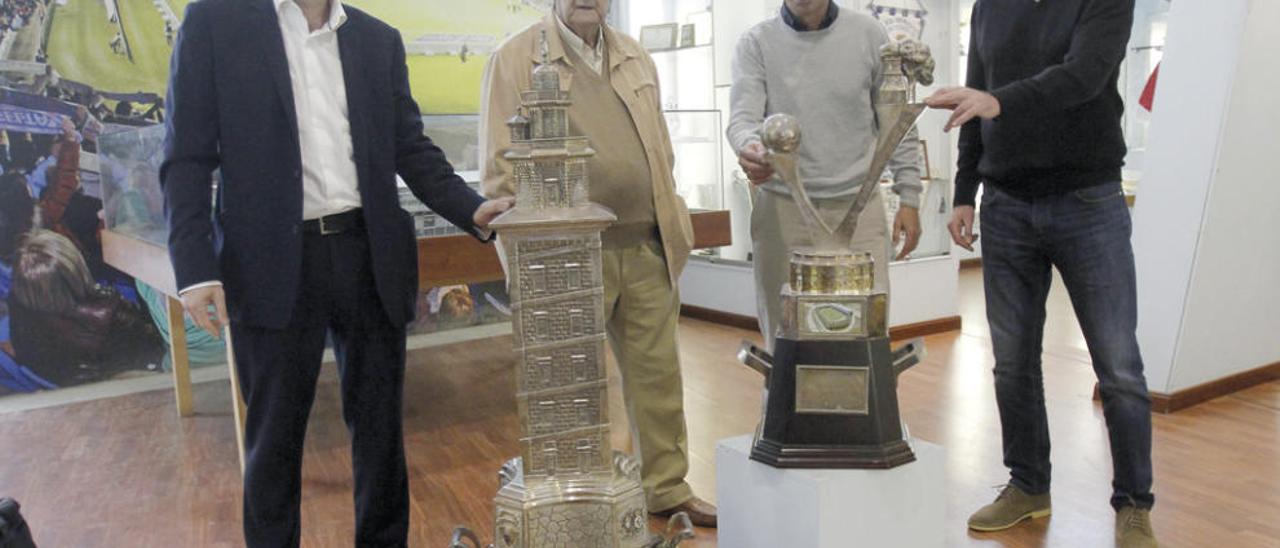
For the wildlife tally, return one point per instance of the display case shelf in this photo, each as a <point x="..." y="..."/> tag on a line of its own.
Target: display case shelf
<point x="680" y="49"/>
<point x="695" y="136"/>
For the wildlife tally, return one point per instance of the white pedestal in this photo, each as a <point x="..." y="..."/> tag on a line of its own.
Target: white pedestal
<point x="769" y="507"/>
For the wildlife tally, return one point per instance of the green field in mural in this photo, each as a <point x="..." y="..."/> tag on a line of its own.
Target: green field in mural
<point x="79" y="44"/>
<point x="444" y="84"/>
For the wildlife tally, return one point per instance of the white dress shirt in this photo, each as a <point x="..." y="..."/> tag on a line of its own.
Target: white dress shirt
<point x="594" y="57"/>
<point x="329" y="181"/>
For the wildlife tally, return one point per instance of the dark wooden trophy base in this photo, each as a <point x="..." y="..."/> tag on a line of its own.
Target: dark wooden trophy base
<point x="887" y="455"/>
<point x="845" y="412"/>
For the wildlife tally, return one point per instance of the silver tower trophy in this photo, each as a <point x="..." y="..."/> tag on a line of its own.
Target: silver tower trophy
<point x="568" y="487"/>
<point x="832" y="380"/>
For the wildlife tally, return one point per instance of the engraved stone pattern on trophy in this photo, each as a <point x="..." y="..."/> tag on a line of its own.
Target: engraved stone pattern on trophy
<point x="561" y="401"/>
<point x="545" y="368"/>
<point x="508" y="527"/>
<point x="634" y="524"/>
<point x="560" y="526"/>
<point x="556" y="266"/>
<point x="566" y="454"/>
<point x="560" y="410"/>
<point x="559" y="318"/>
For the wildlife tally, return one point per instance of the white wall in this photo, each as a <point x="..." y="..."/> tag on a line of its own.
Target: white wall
<point x="1205" y="223"/>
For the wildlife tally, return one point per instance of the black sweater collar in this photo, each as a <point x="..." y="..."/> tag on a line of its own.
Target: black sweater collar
<point x="790" y="19"/>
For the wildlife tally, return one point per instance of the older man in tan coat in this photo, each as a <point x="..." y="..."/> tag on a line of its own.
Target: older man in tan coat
<point x="614" y="87"/>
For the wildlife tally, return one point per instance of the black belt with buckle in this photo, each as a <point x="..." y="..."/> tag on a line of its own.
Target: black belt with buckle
<point x="335" y="224"/>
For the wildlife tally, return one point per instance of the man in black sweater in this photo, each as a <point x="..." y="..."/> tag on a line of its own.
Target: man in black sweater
<point x="1040" y="130"/>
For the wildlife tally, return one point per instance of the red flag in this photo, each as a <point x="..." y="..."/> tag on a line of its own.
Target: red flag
<point x="1147" y="100"/>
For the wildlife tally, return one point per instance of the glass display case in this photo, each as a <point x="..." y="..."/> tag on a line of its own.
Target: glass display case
<point x="935" y="213"/>
<point x="459" y="137"/>
<point x="1146" y="50"/>
<point x="133" y="203"/>
<point x="679" y="37"/>
<point x="697" y="141"/>
<point x="129" y="167"/>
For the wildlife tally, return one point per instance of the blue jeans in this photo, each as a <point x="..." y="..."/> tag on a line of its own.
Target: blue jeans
<point x="1085" y="234"/>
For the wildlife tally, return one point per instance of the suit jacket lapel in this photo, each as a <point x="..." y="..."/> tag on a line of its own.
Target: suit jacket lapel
<point x="351" y="52"/>
<point x="277" y="62"/>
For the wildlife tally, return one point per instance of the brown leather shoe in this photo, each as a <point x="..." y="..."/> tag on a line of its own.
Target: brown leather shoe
<point x="701" y="513"/>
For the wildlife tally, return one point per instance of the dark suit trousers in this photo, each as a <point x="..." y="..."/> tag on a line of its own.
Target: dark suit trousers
<point x="278" y="371"/>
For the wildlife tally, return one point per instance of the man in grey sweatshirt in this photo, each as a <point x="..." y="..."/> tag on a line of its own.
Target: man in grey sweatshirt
<point x="821" y="64"/>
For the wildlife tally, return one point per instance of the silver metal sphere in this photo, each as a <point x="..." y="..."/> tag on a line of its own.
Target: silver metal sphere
<point x="781" y="133"/>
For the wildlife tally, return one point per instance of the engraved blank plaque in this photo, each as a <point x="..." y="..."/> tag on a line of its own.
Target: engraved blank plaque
<point x="827" y="390"/>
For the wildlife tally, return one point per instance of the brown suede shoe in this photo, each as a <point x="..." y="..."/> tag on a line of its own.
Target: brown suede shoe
<point x="701" y="513"/>
<point x="1010" y="508"/>
<point x="1133" y="528"/>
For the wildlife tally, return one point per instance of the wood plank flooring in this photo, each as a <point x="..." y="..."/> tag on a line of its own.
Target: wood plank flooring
<point x="127" y="472"/>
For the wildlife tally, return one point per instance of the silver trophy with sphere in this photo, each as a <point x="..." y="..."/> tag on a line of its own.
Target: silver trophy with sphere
<point x="832" y="378"/>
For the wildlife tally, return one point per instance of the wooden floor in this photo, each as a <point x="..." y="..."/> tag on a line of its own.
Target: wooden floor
<point x="127" y="472"/>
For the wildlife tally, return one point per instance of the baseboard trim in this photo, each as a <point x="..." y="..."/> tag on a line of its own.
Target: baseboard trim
<point x="1166" y="403"/>
<point x="908" y="331"/>
<point x="924" y="329"/>
<point x="720" y="317"/>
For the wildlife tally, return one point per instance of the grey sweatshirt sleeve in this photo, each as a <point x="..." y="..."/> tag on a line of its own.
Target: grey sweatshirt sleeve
<point x="906" y="160"/>
<point x="747" y="97"/>
<point x="905" y="166"/>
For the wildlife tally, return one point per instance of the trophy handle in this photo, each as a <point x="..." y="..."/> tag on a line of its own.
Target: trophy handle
<point x="462" y="533"/>
<point x="896" y="121"/>
<point x="908" y="355"/>
<point x="785" y="164"/>
<point x="679" y="529"/>
<point x="756" y="358"/>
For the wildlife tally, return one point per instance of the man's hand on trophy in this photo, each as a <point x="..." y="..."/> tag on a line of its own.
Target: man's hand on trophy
<point x="906" y="230"/>
<point x="965" y="104"/>
<point x="961" y="227"/>
<point x="490" y="210"/>
<point x="755" y="163"/>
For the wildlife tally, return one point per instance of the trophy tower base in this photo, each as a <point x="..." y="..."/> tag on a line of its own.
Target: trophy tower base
<point x="605" y="510"/>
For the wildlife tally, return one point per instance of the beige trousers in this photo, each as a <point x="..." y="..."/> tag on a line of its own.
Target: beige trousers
<point x="777" y="229"/>
<point x="642" y="311"/>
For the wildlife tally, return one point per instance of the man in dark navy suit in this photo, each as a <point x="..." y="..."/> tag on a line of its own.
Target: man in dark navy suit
<point x="305" y="107"/>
